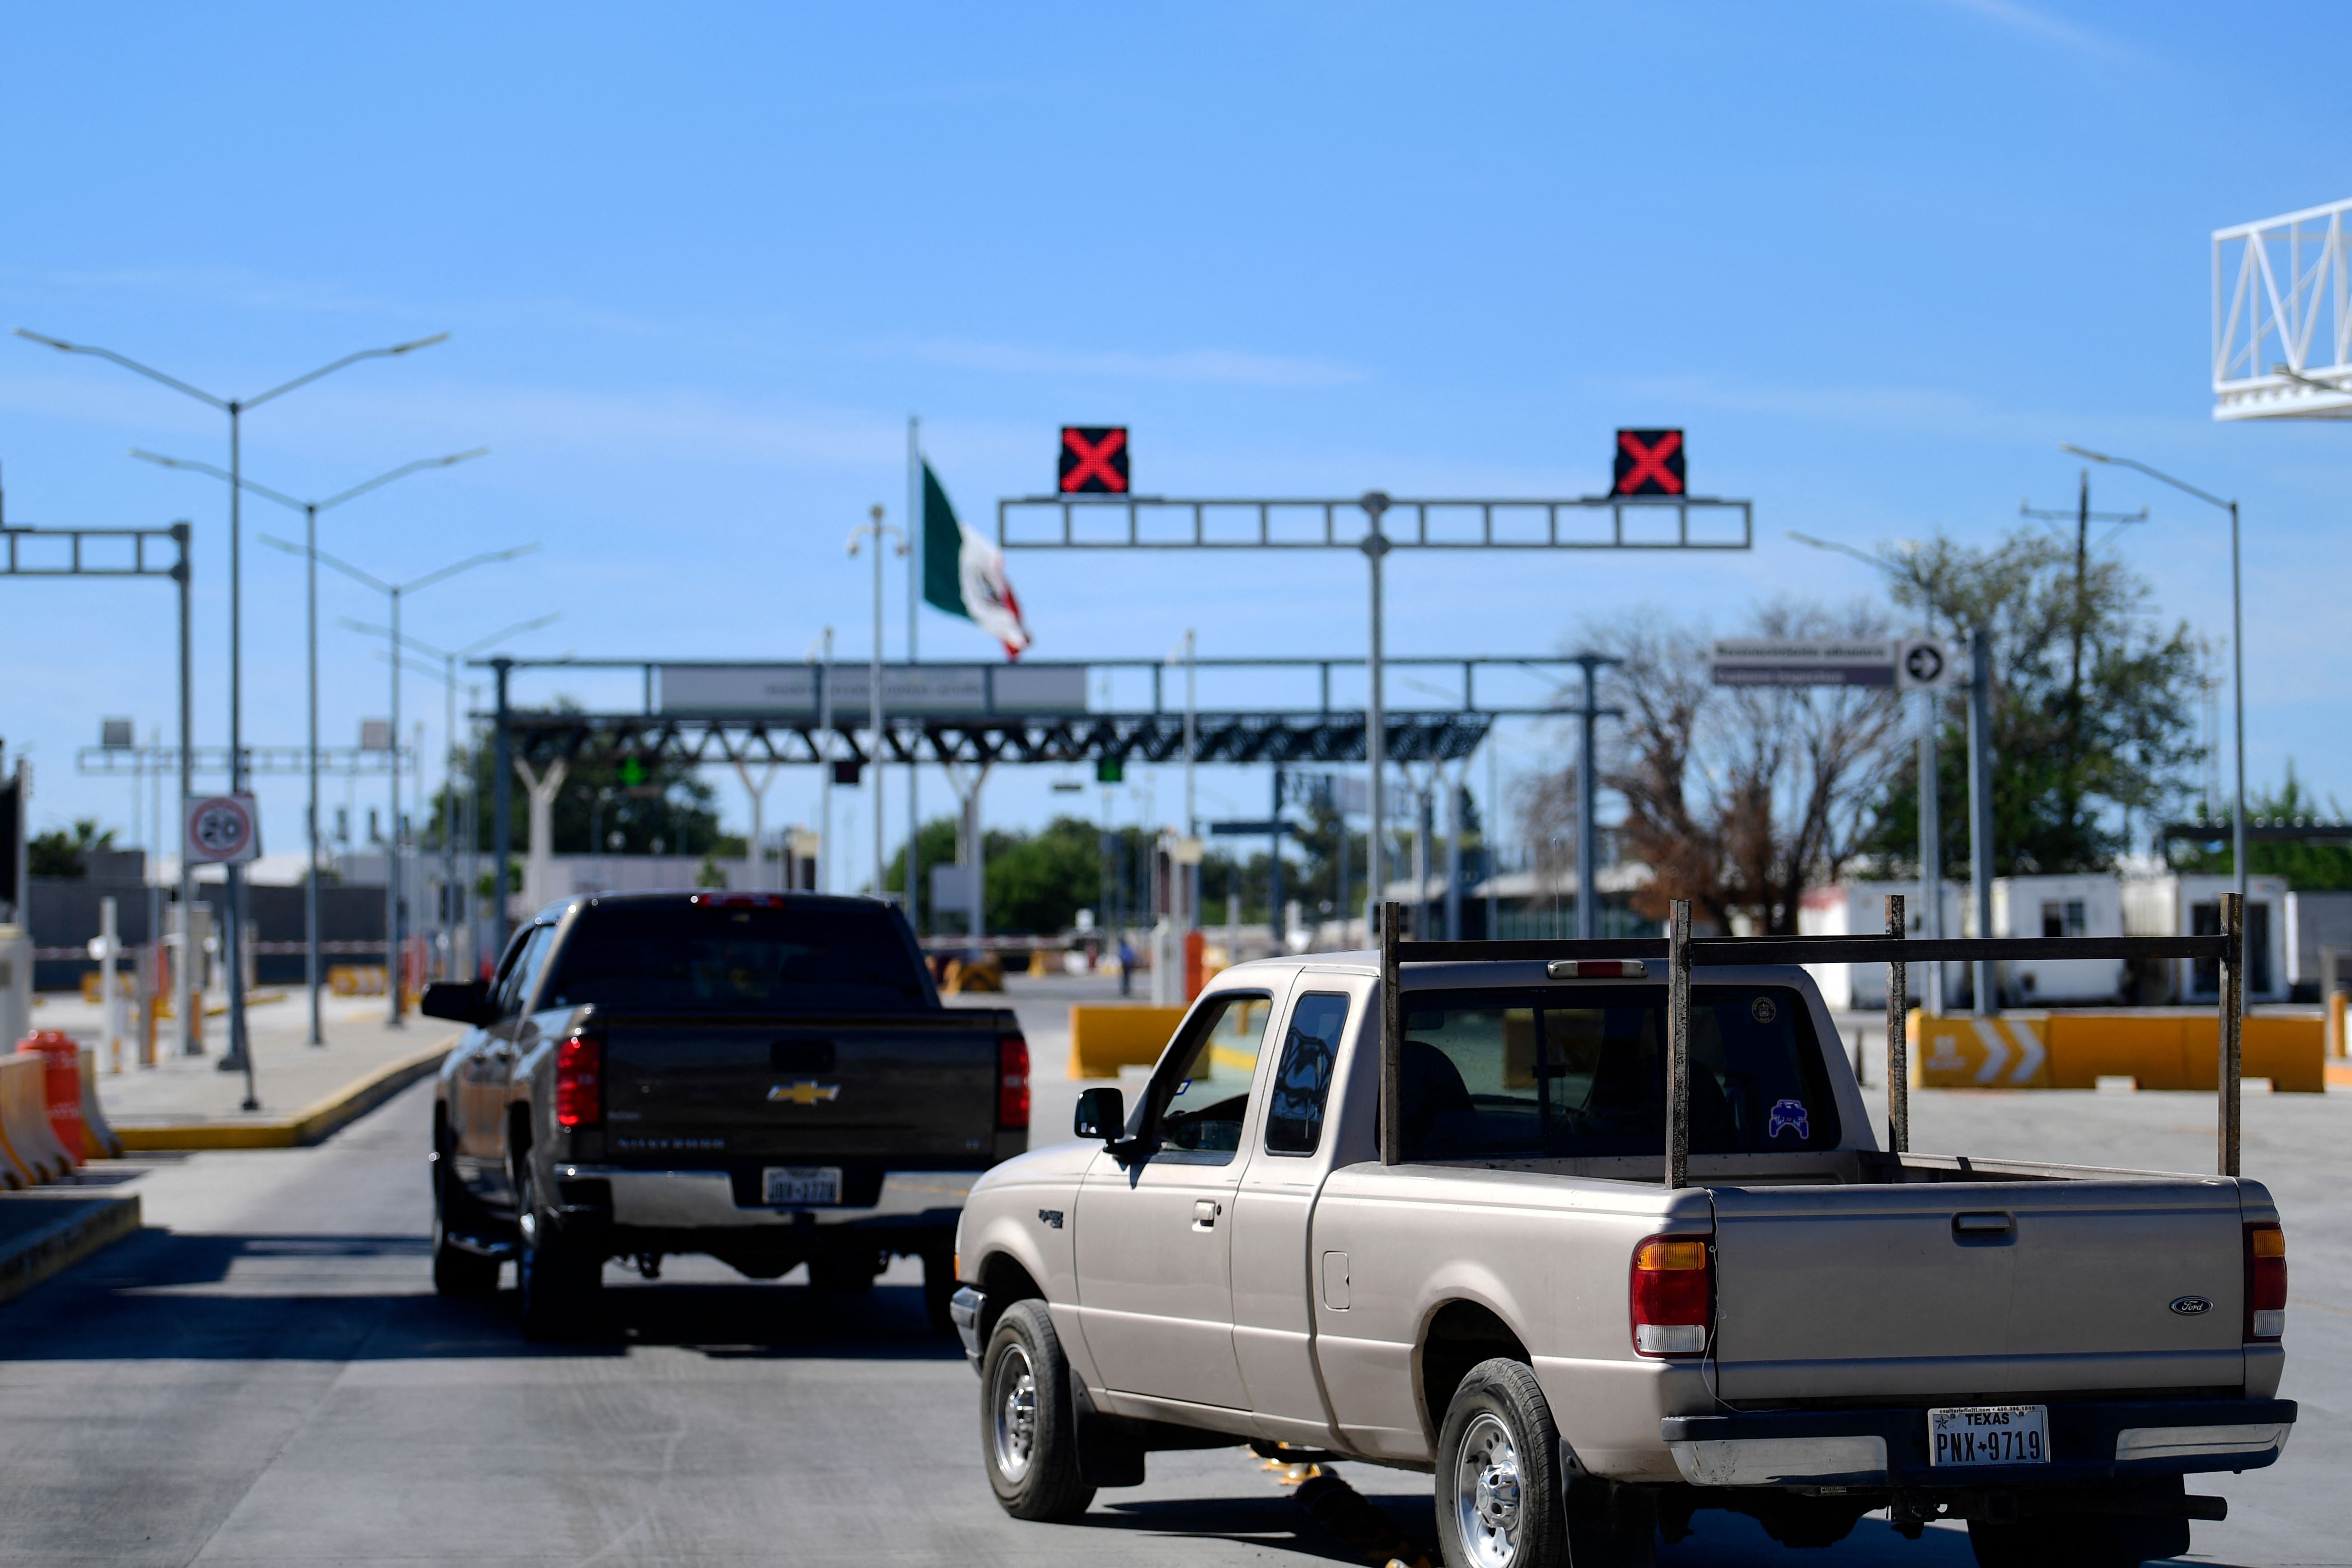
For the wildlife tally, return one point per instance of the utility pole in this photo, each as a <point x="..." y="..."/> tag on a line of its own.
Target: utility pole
<point x="913" y="552"/>
<point x="877" y="529"/>
<point x="2077" y="632"/>
<point x="1980" y="806"/>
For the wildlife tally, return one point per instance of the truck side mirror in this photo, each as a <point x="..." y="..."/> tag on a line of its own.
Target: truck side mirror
<point x="459" y="1001"/>
<point x="1102" y="1113"/>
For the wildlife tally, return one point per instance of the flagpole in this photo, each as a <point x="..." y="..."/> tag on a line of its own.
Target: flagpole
<point x="914" y="613"/>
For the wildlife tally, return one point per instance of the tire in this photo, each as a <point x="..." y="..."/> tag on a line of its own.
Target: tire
<point x="1028" y="1430"/>
<point x="1503" y="1500"/>
<point x="557" y="1281"/>
<point x="845" y="1270"/>
<point x="456" y="1271"/>
<point x="1498" y="1481"/>
<point x="939" y="1290"/>
<point x="2078" y="1541"/>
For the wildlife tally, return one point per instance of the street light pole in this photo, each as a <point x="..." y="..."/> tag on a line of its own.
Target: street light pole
<point x="394" y="591"/>
<point x="2237" y="644"/>
<point x="233" y="938"/>
<point x="311" y="511"/>
<point x="878" y="528"/>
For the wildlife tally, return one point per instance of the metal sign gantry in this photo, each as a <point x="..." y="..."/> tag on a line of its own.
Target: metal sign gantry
<point x="1438" y="524"/>
<point x="994" y="733"/>
<point x="124" y="552"/>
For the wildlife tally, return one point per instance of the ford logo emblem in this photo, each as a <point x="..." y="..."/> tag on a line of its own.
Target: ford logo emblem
<point x="2192" y="1306"/>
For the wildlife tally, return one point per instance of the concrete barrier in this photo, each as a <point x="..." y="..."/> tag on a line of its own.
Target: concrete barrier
<point x="2157" y="1051"/>
<point x="25" y="1119"/>
<point x="99" y="1140"/>
<point x="1105" y="1039"/>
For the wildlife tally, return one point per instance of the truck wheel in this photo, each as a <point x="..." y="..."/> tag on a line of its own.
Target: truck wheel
<point x="456" y="1271"/>
<point x="557" y="1281"/>
<point x="2078" y="1541"/>
<point x="1498" y="1491"/>
<point x="1501" y="1499"/>
<point x="939" y="1290"/>
<point x="1028" y="1432"/>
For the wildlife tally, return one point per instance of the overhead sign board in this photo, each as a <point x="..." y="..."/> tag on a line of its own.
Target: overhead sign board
<point x="1898" y="663"/>
<point x="1803" y="661"/>
<point x="1650" y="463"/>
<point x="1094" y="460"/>
<point x="224" y="828"/>
<point x="791" y="691"/>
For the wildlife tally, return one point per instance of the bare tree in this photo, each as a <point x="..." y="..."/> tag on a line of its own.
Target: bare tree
<point x="1736" y="797"/>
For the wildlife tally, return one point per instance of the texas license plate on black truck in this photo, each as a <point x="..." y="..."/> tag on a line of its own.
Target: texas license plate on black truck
<point x="803" y="1185"/>
<point x="1965" y="1434"/>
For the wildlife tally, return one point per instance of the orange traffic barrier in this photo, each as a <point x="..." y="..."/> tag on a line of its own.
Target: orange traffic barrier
<point x="25" y="1119"/>
<point x="60" y="1060"/>
<point x="2157" y="1051"/>
<point x="1104" y="1040"/>
<point x="98" y="1140"/>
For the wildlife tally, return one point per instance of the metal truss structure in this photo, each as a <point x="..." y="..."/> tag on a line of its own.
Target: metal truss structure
<point x="1321" y="733"/>
<point x="132" y="761"/>
<point x="607" y="738"/>
<point x="2282" y="316"/>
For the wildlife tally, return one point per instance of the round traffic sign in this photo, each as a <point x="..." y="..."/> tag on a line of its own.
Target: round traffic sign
<point x="221" y="828"/>
<point x="1924" y="663"/>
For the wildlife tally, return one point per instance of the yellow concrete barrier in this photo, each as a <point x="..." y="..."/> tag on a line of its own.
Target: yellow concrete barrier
<point x="1105" y="1039"/>
<point x="2176" y="1050"/>
<point x="98" y="1140"/>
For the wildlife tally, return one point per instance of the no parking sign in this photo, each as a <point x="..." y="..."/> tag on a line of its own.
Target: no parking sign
<point x="223" y="827"/>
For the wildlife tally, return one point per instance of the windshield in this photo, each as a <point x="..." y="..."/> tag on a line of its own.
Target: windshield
<point x="1556" y="1073"/>
<point x="809" y="958"/>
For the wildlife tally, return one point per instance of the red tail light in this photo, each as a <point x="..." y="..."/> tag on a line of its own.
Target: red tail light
<point x="2265" y="1282"/>
<point x="579" y="1081"/>
<point x="1011" y="1083"/>
<point x="1672" y="1296"/>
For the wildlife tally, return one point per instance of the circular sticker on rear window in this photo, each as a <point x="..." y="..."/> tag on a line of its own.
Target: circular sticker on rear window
<point x="1762" y="1010"/>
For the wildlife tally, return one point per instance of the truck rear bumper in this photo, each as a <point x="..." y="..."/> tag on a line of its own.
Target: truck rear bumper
<point x="705" y="1200"/>
<point x="2090" y="1442"/>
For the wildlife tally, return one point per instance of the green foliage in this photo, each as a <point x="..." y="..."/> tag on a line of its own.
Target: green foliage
<point x="1037" y="882"/>
<point x="66" y="852"/>
<point x="2093" y="705"/>
<point x="2312" y="867"/>
<point x="672" y="810"/>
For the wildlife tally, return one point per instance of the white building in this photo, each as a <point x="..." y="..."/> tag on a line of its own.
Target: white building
<point x="2176" y="904"/>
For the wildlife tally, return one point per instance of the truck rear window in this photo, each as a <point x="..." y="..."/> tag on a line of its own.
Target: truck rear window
<point x="1567" y="1074"/>
<point x="675" y="958"/>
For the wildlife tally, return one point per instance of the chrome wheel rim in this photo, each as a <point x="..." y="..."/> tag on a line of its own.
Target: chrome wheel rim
<point x="1012" y="1412"/>
<point x="1488" y="1494"/>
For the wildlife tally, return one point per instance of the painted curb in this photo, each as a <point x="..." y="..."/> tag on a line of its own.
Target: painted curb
<point x="313" y="1124"/>
<point x="93" y="1223"/>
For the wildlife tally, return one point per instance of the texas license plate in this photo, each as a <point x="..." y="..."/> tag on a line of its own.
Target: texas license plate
<point x="803" y="1184"/>
<point x="1965" y="1434"/>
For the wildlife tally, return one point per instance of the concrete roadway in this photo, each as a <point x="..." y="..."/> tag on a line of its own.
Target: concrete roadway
<point x="264" y="1377"/>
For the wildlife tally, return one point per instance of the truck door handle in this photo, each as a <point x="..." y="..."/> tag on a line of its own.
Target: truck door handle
<point x="1204" y="1214"/>
<point x="1983" y="1229"/>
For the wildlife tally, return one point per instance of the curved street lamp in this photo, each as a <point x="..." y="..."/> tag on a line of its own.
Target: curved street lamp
<point x="311" y="511"/>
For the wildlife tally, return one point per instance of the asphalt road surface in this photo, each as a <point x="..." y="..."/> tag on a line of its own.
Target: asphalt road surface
<point x="265" y="1376"/>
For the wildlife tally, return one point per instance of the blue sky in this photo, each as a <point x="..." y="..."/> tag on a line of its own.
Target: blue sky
<point x="700" y="264"/>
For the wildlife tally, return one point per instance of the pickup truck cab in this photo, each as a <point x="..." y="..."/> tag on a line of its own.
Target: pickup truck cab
<point x="1580" y="1355"/>
<point x="766" y="1078"/>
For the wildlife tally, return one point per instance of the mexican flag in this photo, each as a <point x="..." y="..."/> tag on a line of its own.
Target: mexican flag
<point x="963" y="574"/>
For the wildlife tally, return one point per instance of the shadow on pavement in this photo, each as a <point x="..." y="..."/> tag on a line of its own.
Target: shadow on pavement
<point x="160" y="1296"/>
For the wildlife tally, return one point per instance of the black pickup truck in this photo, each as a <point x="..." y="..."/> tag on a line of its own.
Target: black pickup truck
<point x="766" y="1078"/>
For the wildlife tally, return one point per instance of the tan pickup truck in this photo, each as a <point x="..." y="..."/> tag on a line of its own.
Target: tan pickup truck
<point x="1521" y="1302"/>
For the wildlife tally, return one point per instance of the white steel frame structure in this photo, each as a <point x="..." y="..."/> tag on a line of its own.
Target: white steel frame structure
<point x="2282" y="316"/>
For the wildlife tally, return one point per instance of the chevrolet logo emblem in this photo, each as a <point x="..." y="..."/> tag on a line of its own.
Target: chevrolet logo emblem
<point x="805" y="1093"/>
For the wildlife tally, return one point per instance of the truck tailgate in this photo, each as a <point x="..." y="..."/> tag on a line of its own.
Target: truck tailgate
<point x="1952" y="1289"/>
<point x="910" y="1087"/>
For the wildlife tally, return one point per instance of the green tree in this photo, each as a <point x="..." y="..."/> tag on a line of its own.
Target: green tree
<point x="2093" y="703"/>
<point x="657" y="805"/>
<point x="65" y="853"/>
<point x="2306" y="866"/>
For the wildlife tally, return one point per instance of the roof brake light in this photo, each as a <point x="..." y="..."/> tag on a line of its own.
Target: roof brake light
<point x="737" y="901"/>
<point x="1597" y="969"/>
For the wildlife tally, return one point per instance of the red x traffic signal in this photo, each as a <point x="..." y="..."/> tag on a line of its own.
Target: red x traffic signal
<point x="1649" y="463"/>
<point x="1094" y="460"/>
